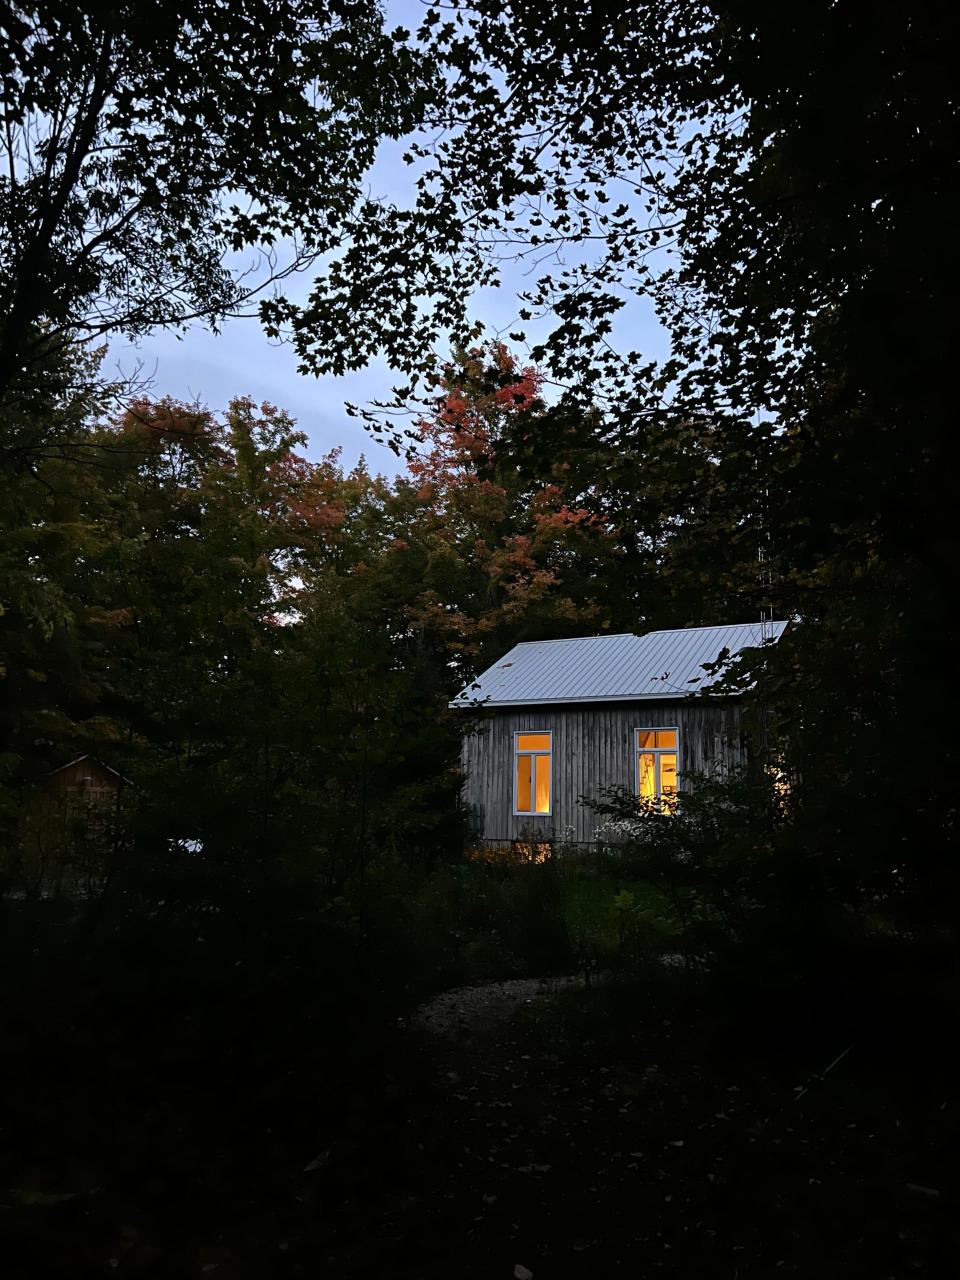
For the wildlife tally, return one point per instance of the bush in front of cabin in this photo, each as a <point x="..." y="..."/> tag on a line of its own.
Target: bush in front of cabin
<point x="474" y="921"/>
<point x="712" y="854"/>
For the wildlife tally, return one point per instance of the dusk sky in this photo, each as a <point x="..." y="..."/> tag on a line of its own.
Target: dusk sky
<point x="212" y="369"/>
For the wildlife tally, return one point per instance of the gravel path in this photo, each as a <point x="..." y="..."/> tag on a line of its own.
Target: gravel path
<point x="469" y="1013"/>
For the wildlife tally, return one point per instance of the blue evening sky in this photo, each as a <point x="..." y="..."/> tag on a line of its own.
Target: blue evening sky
<point x="240" y="360"/>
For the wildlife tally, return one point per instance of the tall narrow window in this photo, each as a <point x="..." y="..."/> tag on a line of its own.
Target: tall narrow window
<point x="531" y="772"/>
<point x="657" y="756"/>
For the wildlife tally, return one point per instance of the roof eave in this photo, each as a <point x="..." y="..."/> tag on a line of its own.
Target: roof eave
<point x="480" y="703"/>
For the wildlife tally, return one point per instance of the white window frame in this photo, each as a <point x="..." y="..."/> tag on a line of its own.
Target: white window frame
<point x="517" y="753"/>
<point x="654" y="751"/>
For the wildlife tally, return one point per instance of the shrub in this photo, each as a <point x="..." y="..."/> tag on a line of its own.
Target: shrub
<point x="470" y="922"/>
<point x="712" y="855"/>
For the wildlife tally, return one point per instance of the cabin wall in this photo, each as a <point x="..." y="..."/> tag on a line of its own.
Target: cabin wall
<point x="592" y="749"/>
<point x="86" y="779"/>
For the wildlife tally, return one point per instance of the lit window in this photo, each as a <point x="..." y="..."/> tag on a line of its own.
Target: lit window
<point x="531" y="793"/>
<point x="657" y="755"/>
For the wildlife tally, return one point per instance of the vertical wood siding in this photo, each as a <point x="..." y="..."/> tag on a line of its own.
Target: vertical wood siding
<point x="82" y="777"/>
<point x="593" y="747"/>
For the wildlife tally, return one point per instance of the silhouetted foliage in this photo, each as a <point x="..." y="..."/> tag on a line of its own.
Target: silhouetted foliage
<point x="201" y="989"/>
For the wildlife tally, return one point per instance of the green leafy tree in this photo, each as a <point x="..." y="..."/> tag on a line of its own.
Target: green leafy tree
<point x="148" y="156"/>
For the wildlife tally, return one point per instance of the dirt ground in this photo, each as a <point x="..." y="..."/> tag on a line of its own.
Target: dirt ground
<point x="530" y="1155"/>
<point x="525" y="1130"/>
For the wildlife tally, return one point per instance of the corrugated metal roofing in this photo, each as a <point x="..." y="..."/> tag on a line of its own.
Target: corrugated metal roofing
<point x="660" y="664"/>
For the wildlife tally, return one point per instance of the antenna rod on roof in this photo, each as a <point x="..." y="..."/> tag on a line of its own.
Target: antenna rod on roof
<point x="763" y="573"/>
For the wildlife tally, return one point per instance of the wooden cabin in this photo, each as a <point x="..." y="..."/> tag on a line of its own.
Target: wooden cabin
<point x="71" y="825"/>
<point x="84" y="796"/>
<point x="85" y="781"/>
<point x="559" y="720"/>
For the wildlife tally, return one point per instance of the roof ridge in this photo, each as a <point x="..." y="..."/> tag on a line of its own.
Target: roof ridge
<point x="719" y="626"/>
<point x="606" y="635"/>
<point x="659" y="631"/>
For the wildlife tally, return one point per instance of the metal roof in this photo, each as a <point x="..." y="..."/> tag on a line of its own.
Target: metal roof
<point x="660" y="664"/>
<point x="87" y="756"/>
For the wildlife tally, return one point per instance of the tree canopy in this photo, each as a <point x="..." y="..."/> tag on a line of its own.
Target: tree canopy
<point x="168" y="167"/>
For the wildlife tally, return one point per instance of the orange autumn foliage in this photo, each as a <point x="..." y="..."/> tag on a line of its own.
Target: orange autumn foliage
<point x="516" y="557"/>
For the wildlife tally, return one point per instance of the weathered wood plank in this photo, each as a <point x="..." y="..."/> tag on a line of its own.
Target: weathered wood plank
<point x="593" y="747"/>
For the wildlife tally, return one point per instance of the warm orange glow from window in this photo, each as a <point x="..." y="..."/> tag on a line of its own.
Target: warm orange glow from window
<point x="668" y="774"/>
<point x="513" y="854"/>
<point x="657" y="766"/>
<point x="779" y="779"/>
<point x="532" y="754"/>
<point x="543" y="784"/>
<point x="524" y="770"/>
<point x="648" y="775"/>
<point x="533" y="851"/>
